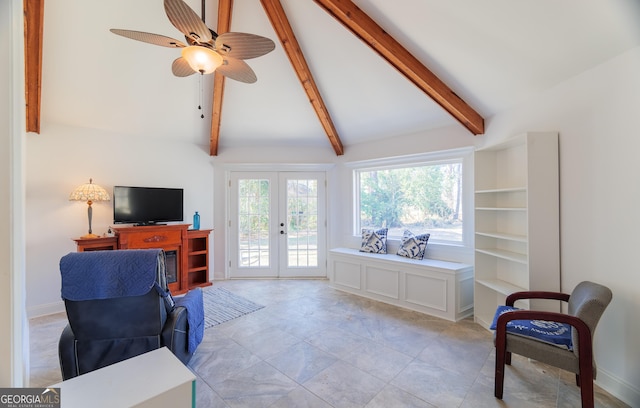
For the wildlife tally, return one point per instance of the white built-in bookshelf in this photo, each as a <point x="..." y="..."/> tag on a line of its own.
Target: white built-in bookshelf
<point x="517" y="230"/>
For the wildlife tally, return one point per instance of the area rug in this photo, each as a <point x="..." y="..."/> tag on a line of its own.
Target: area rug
<point x="220" y="306"/>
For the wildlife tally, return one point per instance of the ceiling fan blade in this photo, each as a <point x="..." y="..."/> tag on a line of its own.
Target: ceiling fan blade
<point x="154" y="39"/>
<point x="187" y="21"/>
<point x="243" y="45"/>
<point x="181" y="68"/>
<point x="237" y="69"/>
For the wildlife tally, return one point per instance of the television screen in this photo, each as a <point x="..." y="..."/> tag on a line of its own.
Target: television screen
<point x="147" y="205"/>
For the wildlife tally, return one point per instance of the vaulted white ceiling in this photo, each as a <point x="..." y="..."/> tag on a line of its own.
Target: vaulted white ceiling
<point x="493" y="53"/>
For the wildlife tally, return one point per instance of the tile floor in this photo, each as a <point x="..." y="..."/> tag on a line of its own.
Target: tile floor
<point x="314" y="346"/>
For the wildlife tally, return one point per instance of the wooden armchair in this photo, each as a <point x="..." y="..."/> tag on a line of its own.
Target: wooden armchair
<point x="586" y="304"/>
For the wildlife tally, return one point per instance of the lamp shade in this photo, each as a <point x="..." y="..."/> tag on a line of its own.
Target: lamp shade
<point x="89" y="192"/>
<point x="202" y="59"/>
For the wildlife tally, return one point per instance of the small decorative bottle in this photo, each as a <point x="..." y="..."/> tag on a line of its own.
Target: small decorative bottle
<point x="196" y="221"/>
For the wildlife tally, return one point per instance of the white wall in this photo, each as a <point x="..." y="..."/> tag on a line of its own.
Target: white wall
<point x="14" y="343"/>
<point x="61" y="157"/>
<point x="5" y="192"/>
<point x="596" y="114"/>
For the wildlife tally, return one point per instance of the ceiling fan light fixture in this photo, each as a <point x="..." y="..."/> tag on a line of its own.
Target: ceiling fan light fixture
<point x="202" y="59"/>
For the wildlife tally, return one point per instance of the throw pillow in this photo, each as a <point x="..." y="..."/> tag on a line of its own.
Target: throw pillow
<point x="554" y="333"/>
<point x="374" y="241"/>
<point x="413" y="246"/>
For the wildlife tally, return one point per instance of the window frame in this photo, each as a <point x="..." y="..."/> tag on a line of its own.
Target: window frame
<point x="460" y="155"/>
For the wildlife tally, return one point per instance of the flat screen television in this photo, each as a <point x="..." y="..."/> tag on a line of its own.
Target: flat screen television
<point x="147" y="205"/>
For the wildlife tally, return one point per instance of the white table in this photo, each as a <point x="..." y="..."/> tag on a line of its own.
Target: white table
<point x="155" y="379"/>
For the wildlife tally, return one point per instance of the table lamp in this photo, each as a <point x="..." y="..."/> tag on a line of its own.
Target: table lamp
<point x="89" y="192"/>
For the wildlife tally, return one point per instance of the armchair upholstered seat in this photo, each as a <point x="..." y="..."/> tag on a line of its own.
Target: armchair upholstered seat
<point x="118" y="306"/>
<point x="586" y="304"/>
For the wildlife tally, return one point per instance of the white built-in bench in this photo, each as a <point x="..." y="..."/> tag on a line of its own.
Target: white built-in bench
<point x="439" y="288"/>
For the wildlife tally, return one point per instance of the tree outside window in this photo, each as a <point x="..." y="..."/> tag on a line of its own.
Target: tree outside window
<point x="421" y="198"/>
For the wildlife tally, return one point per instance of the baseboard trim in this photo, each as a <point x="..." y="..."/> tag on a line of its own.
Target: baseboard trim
<point x="44" y="310"/>
<point x="617" y="387"/>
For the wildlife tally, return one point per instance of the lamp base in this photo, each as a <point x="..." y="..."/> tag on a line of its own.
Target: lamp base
<point x="89" y="236"/>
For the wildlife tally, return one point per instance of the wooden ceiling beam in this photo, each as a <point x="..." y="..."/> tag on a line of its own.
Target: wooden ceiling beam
<point x="361" y="25"/>
<point x="283" y="29"/>
<point x="33" y="28"/>
<point x="224" y="25"/>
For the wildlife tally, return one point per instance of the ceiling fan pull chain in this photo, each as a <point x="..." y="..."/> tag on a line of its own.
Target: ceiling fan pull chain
<point x="200" y="96"/>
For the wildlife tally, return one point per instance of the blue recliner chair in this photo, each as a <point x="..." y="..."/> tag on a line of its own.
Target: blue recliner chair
<point x="118" y="306"/>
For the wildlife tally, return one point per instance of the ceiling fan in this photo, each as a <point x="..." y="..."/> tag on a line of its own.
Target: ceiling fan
<point x="205" y="51"/>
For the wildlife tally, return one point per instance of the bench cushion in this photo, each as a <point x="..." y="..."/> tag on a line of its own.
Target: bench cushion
<point x="557" y="334"/>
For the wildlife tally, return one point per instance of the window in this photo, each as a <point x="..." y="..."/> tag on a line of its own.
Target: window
<point x="423" y="195"/>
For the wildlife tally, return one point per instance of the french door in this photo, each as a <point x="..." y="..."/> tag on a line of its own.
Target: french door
<point x="277" y="224"/>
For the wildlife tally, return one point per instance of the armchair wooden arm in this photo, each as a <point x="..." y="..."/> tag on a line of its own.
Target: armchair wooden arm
<point x="512" y="298"/>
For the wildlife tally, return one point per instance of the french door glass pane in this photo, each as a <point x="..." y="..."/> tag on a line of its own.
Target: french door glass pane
<point x="302" y="222"/>
<point x="253" y="220"/>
